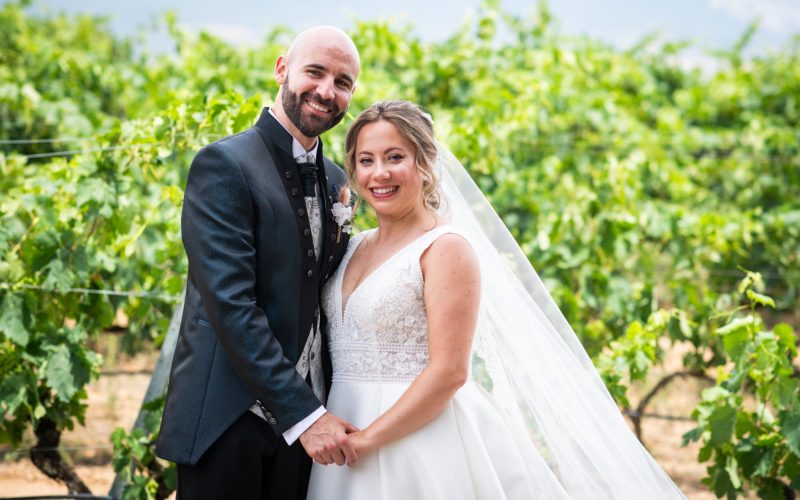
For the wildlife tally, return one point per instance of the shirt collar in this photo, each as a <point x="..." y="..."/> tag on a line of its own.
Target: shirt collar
<point x="297" y="149"/>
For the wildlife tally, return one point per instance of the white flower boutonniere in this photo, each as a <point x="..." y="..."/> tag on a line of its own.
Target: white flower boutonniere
<point x="342" y="215"/>
<point x="343" y="212"/>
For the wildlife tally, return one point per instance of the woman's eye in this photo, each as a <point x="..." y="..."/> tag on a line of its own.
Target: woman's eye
<point x="365" y="161"/>
<point x="395" y="157"/>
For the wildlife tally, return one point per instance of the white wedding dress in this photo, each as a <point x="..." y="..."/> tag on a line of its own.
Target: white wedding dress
<point x="378" y="343"/>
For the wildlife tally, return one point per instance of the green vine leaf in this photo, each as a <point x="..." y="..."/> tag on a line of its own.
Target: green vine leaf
<point x="790" y="428"/>
<point x="11" y="320"/>
<point x="58" y="374"/>
<point x="722" y="421"/>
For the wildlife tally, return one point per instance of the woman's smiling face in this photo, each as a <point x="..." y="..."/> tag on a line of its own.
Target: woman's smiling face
<point x="386" y="170"/>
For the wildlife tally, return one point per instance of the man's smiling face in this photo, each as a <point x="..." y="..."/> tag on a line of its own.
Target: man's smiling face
<point x="318" y="79"/>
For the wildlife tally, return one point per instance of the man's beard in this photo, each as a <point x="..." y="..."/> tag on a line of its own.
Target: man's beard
<point x="313" y="125"/>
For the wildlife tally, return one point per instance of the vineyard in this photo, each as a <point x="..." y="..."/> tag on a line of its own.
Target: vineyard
<point x="660" y="205"/>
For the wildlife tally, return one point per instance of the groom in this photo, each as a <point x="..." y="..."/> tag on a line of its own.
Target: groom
<point x="244" y="410"/>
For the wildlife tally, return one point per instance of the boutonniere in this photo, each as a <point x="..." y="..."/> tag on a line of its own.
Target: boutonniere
<point x="343" y="212"/>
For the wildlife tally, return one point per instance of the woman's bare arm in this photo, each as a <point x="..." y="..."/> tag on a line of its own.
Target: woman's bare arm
<point x="452" y="298"/>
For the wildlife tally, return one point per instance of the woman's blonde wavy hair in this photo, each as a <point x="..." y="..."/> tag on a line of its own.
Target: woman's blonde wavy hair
<point x="416" y="127"/>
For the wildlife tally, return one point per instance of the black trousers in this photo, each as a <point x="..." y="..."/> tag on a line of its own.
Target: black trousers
<point x="247" y="462"/>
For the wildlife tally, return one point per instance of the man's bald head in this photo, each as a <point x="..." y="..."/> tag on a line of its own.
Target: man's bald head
<point x="317" y="78"/>
<point x="320" y="36"/>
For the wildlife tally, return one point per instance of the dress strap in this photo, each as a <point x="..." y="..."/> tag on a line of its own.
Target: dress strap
<point x="427" y="239"/>
<point x="355" y="241"/>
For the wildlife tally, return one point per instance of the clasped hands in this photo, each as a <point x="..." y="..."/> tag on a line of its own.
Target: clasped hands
<point x="333" y="440"/>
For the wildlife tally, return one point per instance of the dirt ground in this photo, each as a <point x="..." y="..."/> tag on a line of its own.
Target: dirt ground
<point x="115" y="398"/>
<point x="114" y="401"/>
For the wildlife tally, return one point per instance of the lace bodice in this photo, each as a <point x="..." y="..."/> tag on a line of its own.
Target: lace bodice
<point x="381" y="334"/>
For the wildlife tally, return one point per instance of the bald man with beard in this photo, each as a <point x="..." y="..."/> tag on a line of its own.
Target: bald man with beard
<point x="245" y="405"/>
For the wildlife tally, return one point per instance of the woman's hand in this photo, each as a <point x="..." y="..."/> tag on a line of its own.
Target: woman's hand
<point x="363" y="442"/>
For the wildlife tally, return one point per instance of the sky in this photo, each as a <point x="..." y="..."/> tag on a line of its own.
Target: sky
<point x="711" y="24"/>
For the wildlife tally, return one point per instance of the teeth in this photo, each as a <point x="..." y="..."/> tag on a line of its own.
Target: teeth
<point x="317" y="107"/>
<point x="384" y="190"/>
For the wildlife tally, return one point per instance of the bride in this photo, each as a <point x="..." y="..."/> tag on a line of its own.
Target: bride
<point x="449" y="354"/>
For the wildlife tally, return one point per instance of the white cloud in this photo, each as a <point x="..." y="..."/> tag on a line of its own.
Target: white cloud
<point x="777" y="16"/>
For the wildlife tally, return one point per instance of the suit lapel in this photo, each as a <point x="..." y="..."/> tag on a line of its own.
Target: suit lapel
<point x="272" y="131"/>
<point x="325" y="209"/>
<point x="279" y="144"/>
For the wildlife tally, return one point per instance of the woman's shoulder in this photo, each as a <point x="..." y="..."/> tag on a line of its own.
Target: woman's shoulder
<point x="449" y="264"/>
<point x="356" y="239"/>
<point x="449" y="248"/>
<point x="446" y="237"/>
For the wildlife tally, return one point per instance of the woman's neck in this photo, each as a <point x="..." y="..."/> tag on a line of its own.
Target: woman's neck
<point x="397" y="229"/>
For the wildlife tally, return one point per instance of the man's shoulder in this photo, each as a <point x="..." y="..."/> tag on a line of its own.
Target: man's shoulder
<point x="333" y="170"/>
<point x="239" y="146"/>
<point x="236" y="140"/>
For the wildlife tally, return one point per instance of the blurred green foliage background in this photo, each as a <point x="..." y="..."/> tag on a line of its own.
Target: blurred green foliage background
<point x="641" y="191"/>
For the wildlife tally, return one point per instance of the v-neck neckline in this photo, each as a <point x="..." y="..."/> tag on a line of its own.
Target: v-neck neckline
<point x="340" y="285"/>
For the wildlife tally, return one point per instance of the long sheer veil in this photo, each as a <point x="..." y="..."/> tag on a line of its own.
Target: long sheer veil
<point x="529" y="358"/>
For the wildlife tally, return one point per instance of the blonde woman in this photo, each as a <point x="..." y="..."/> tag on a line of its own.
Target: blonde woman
<point x="405" y="307"/>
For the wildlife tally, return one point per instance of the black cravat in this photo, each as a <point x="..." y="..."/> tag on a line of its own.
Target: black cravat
<point x="308" y="175"/>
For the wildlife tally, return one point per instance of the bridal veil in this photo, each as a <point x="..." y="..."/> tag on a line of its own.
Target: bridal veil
<point x="529" y="358"/>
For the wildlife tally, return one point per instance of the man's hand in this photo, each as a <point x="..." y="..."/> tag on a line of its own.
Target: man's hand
<point x="326" y="441"/>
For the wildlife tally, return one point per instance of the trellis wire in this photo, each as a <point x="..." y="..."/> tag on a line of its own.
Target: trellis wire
<point x="66" y="496"/>
<point x="114" y="293"/>
<point x="545" y="142"/>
